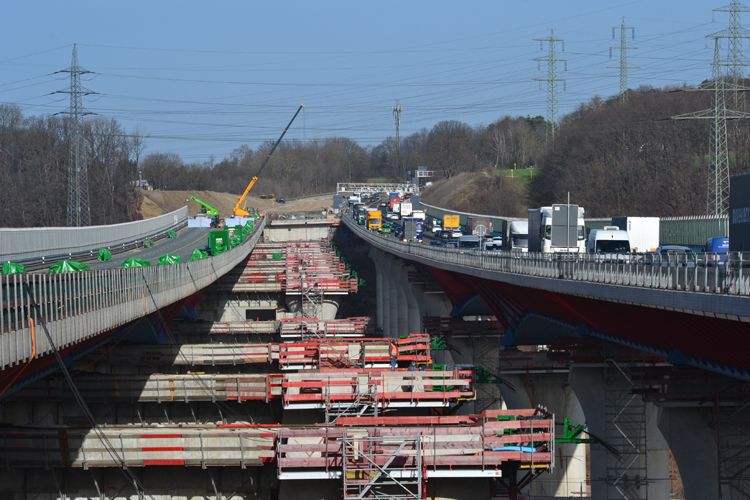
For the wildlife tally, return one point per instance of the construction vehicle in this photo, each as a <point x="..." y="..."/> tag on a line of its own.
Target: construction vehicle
<point x="242" y="212"/>
<point x="207" y="209"/>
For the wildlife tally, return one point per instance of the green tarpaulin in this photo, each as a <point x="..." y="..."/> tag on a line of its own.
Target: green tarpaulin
<point x="172" y="234"/>
<point x="198" y="254"/>
<point x="235" y="241"/>
<point x="218" y="248"/>
<point x="135" y="262"/>
<point x="104" y="254"/>
<point x="276" y="256"/>
<point x="148" y="243"/>
<point x="169" y="258"/>
<point x="68" y="266"/>
<point x="11" y="268"/>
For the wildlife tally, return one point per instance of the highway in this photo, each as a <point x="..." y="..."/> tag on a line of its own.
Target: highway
<point x="187" y="240"/>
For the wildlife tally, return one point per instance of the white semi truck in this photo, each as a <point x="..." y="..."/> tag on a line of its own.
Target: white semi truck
<point x="555" y="229"/>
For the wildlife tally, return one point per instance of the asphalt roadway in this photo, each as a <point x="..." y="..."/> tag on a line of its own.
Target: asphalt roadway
<point x="183" y="245"/>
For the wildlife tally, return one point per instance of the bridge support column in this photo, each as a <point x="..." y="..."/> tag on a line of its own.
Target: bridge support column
<point x="609" y="408"/>
<point x="552" y="391"/>
<point x="691" y="434"/>
<point x="377" y="257"/>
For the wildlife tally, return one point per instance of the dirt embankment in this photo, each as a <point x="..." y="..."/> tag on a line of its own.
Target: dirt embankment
<point x="155" y="203"/>
<point x="450" y="192"/>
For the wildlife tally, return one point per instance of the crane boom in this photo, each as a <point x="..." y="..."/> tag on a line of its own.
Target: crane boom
<point x="240" y="211"/>
<point x="209" y="210"/>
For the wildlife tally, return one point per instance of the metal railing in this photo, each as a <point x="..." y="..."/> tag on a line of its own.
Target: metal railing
<point x="79" y="306"/>
<point x="727" y="274"/>
<point x="24" y="244"/>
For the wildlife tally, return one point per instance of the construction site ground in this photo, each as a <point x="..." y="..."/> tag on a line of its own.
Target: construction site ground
<point x="155" y="203"/>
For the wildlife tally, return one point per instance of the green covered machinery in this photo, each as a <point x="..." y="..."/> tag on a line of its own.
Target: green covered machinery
<point x="11" y="268"/>
<point x="169" y="259"/>
<point x="68" y="266"/>
<point x="198" y="254"/>
<point x="135" y="262"/>
<point x="104" y="254"/>
<point x="218" y="241"/>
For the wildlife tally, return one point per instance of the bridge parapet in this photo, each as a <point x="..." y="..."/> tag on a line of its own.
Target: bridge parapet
<point x="76" y="307"/>
<point x="22" y="244"/>
<point x="694" y="272"/>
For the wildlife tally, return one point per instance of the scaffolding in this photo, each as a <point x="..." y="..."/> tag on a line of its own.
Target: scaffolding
<point x="365" y="403"/>
<point x="400" y="477"/>
<point x="627" y="475"/>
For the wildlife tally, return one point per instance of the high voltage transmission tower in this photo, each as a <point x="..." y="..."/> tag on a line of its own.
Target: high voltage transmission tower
<point x="397" y="116"/>
<point x="718" y="156"/>
<point x="734" y="34"/>
<point x="79" y="213"/>
<point x="551" y="59"/>
<point x="624" y="66"/>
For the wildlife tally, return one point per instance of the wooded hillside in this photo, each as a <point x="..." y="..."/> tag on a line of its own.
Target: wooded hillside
<point x="613" y="159"/>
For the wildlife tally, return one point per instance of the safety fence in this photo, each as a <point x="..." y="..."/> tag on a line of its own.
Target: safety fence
<point x="24" y="244"/>
<point x="727" y="274"/>
<point x="77" y="306"/>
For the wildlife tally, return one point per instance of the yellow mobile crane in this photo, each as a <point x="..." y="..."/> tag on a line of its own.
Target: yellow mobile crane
<point x="241" y="212"/>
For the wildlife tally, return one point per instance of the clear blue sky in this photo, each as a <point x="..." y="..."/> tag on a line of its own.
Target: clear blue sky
<point x="203" y="78"/>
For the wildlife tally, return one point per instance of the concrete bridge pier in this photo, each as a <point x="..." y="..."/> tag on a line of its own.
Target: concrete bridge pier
<point x="402" y="305"/>
<point x="611" y="410"/>
<point x="692" y="436"/>
<point x="552" y="391"/>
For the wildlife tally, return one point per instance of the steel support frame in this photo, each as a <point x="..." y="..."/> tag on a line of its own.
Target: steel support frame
<point x="389" y="481"/>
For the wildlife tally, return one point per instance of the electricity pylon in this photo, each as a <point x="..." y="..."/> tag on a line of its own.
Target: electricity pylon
<point x="551" y="59"/>
<point x="734" y="34"/>
<point x="717" y="202"/>
<point x="397" y="116"/>
<point x="624" y="66"/>
<point x="79" y="213"/>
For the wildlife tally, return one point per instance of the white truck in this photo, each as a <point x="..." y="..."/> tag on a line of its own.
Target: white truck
<point x="643" y="232"/>
<point x="555" y="229"/>
<point x="406" y="210"/>
<point x="519" y="236"/>
<point x="419" y="214"/>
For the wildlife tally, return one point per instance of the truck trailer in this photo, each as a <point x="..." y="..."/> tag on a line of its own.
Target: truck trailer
<point x="555" y="229"/>
<point x="643" y="232"/>
<point x="518" y="240"/>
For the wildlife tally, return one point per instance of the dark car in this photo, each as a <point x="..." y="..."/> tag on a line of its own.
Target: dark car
<point x="436" y="243"/>
<point x="281" y="200"/>
<point x="452" y="243"/>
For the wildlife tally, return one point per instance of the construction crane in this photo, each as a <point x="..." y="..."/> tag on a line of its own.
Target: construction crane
<point x="207" y="209"/>
<point x="241" y="212"/>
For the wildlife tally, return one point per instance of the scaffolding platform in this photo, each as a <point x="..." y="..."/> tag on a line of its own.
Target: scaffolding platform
<point x="358" y="390"/>
<point x="137" y="446"/>
<point x="305" y="328"/>
<point x="484" y="445"/>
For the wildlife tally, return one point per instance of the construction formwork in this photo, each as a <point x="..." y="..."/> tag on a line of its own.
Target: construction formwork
<point x="137" y="446"/>
<point x="358" y="389"/>
<point x="394" y="457"/>
<point x="304" y="328"/>
<point x="369" y="353"/>
<point x="331" y="391"/>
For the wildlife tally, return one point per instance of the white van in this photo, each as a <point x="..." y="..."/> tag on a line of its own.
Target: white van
<point x="608" y="242"/>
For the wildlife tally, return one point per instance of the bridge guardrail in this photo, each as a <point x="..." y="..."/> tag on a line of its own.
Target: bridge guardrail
<point x="79" y="306"/>
<point x="690" y="272"/>
<point x="25" y="244"/>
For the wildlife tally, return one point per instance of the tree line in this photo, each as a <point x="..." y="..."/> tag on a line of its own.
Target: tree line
<point x="613" y="159"/>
